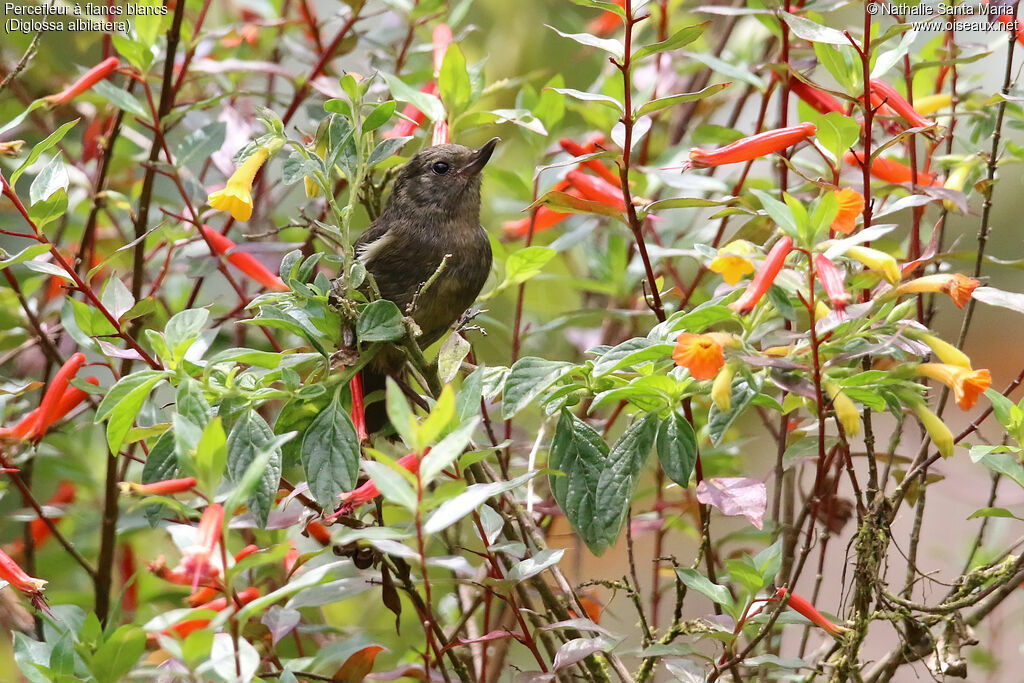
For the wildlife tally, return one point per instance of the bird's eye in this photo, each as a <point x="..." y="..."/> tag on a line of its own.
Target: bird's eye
<point x="440" y="167"/>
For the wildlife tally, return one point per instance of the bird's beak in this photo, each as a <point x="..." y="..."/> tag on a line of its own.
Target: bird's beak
<point x="480" y="157"/>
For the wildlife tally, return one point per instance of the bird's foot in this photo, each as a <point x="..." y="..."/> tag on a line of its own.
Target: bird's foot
<point x="463" y="323"/>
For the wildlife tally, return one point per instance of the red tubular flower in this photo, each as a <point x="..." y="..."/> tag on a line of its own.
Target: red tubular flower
<point x="243" y="597"/>
<point x="16" y="576"/>
<point x="546" y="218"/>
<point x="1011" y="25"/>
<point x="246" y="263"/>
<point x="891" y="171"/>
<point x="88" y="79"/>
<point x="50" y="408"/>
<point x="159" y="488"/>
<point x="753" y="147"/>
<point x="196" y="560"/>
<point x="883" y="92"/>
<point x="578" y="150"/>
<point x="405" y="128"/>
<point x="608" y="22"/>
<point x="126" y="568"/>
<point x="820" y="101"/>
<point x="441" y="134"/>
<point x="764" y="277"/>
<point x="832" y="280"/>
<point x="291" y="558"/>
<point x="597" y="190"/>
<point x="355" y="386"/>
<point x="808" y="610"/>
<point x="369" y="490"/>
<point x="442" y="38"/>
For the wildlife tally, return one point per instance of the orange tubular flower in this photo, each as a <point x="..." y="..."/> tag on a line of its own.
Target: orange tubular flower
<point x="958" y="287"/>
<point x="355" y="385"/>
<point x="808" y="610"/>
<point x="405" y="128"/>
<point x="246" y="263"/>
<point x="888" y="94"/>
<point x="851" y="205"/>
<point x="597" y="190"/>
<point x="319" y="532"/>
<point x="701" y="354"/>
<point x="753" y="147"/>
<point x="246" y="552"/>
<point x="88" y="79"/>
<point x="820" y="101"/>
<point x="578" y="150"/>
<point x="546" y="218"/>
<point x="967" y="384"/>
<point x="50" y="408"/>
<point x="159" y="488"/>
<point x="832" y="281"/>
<point x="891" y="171"/>
<point x="29" y="426"/>
<point x="16" y="576"/>
<point x="369" y="490"/>
<point x="764" y="277"/>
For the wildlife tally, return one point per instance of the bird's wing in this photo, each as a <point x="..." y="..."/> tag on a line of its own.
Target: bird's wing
<point x="372" y="239"/>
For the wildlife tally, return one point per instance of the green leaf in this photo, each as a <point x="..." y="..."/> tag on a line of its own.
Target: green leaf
<point x="837" y="133"/>
<point x="127" y="384"/>
<point x="52" y="178"/>
<point x="47" y="144"/>
<point x="609" y="45"/>
<point x="162" y="462"/>
<point x="116" y="657"/>
<point x="743" y="573"/>
<point x="201" y="143"/>
<point x="742" y="394"/>
<point x="380" y="115"/>
<point x="567" y="203"/>
<point x="528" y="379"/>
<point x="425" y="102"/>
<point x="211" y="455"/>
<point x="48" y="210"/>
<point x="447" y="450"/>
<point x="182" y="330"/>
<point x="630" y="353"/>
<point x="453" y="81"/>
<point x="672" y="100"/>
<point x="813" y="32"/>
<point x="296" y="416"/>
<point x="380" y="321"/>
<point x="525" y="263"/>
<point x="399" y="413"/>
<point x="392" y="484"/>
<point x="122" y="413"/>
<point x="26" y="254"/>
<point x="677" y="448"/>
<point x="682" y="37"/>
<point x="700" y="583"/>
<point x="581" y="454"/>
<point x="250" y="438"/>
<point x="606" y="100"/>
<point x="993" y="512"/>
<point x="618" y="482"/>
<point x="385" y="149"/>
<point x="121" y="99"/>
<point x="532" y="566"/>
<point x="330" y="454"/>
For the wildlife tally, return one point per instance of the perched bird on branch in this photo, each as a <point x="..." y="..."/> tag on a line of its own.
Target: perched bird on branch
<point x="432" y="217"/>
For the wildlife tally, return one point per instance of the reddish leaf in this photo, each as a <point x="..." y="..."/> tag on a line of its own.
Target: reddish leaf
<point x="357" y="666"/>
<point x="736" y="496"/>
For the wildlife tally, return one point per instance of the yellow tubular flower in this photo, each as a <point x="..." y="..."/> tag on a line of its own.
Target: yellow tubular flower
<point x="846" y="410"/>
<point x="945" y="352"/>
<point x="932" y="103"/>
<point x="966" y="384"/>
<point x="733" y="261"/>
<point x="721" y="388"/>
<point x="959" y="287"/>
<point x="820" y="310"/>
<point x="878" y="261"/>
<point x="937" y="430"/>
<point x="236" y="197"/>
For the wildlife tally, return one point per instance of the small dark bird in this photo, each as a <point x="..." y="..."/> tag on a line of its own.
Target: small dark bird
<point x="433" y="212"/>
